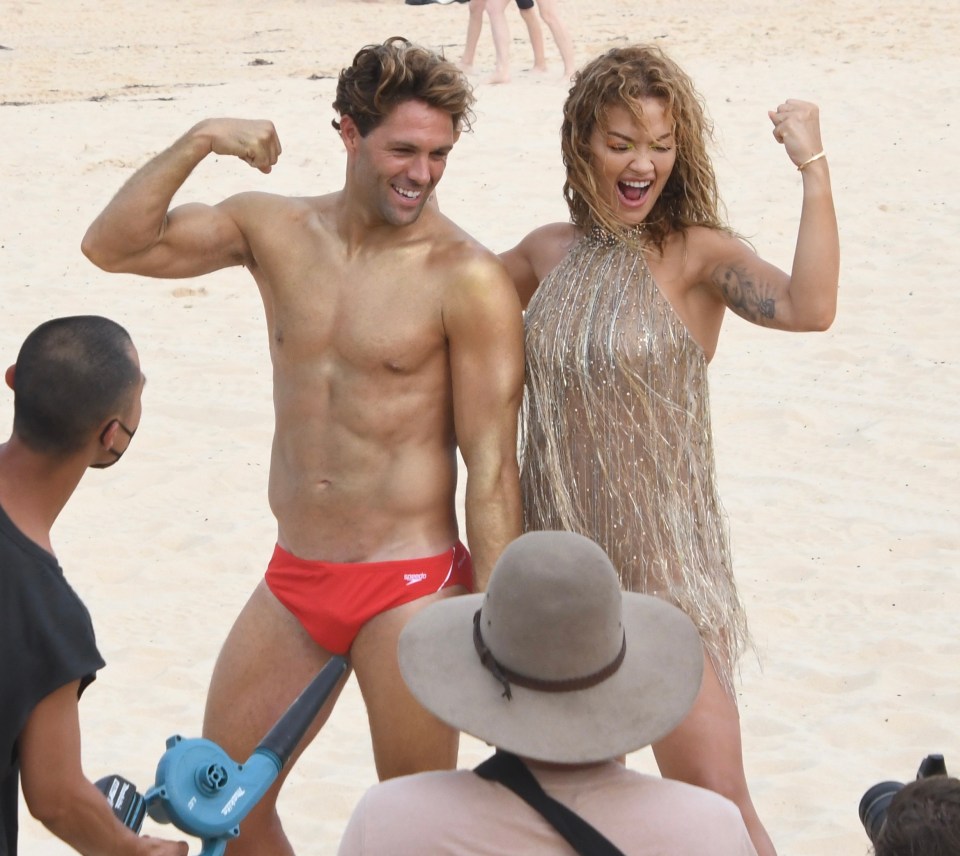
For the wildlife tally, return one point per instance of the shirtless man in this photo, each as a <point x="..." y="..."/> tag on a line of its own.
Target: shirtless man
<point x="395" y="338"/>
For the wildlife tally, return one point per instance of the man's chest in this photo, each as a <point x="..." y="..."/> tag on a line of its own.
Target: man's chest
<point x="399" y="330"/>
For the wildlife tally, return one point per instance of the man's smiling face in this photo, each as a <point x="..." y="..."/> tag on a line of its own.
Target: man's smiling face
<point x="401" y="161"/>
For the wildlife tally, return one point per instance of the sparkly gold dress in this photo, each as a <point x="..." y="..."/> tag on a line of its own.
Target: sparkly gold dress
<point x="617" y="442"/>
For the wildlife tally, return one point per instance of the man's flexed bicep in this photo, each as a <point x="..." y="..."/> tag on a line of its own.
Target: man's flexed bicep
<point x="484" y="326"/>
<point x="137" y="233"/>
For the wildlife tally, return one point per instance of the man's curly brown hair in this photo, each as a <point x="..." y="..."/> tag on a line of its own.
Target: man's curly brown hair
<point x="621" y="78"/>
<point x="383" y="76"/>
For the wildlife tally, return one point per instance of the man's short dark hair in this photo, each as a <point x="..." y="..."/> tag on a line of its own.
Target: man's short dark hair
<point x="923" y="818"/>
<point x="71" y="374"/>
<point x="383" y="76"/>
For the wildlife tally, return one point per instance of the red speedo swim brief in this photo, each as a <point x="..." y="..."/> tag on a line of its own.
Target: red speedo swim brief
<point x="333" y="601"/>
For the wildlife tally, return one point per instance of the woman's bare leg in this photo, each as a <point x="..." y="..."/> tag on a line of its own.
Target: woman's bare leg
<point x="706" y="750"/>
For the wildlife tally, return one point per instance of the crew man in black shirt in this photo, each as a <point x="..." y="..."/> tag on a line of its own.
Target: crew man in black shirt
<point x="77" y="385"/>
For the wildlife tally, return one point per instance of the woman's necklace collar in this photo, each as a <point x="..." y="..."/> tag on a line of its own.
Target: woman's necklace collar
<point x="600" y="236"/>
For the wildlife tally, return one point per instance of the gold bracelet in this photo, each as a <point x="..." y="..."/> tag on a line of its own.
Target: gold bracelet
<point x="808" y="161"/>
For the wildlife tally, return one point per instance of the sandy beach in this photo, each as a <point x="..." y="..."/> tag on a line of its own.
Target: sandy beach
<point x="837" y="453"/>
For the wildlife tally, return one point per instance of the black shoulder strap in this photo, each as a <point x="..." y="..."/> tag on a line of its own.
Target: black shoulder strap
<point x="509" y="770"/>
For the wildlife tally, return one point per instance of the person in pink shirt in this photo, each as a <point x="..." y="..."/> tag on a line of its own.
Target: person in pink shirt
<point x="564" y="674"/>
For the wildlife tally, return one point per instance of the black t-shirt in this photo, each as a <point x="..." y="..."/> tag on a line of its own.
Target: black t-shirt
<point x="46" y="642"/>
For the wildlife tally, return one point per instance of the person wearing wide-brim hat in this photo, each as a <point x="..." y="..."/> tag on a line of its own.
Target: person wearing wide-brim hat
<point x="556" y="665"/>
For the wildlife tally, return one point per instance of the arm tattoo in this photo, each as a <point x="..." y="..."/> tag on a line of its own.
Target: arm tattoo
<point x="752" y="300"/>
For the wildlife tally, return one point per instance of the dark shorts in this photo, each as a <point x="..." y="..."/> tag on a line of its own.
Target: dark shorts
<point x="525" y="4"/>
<point x="333" y="601"/>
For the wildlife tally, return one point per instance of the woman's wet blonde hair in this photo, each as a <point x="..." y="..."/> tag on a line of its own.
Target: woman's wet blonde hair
<point x="621" y="78"/>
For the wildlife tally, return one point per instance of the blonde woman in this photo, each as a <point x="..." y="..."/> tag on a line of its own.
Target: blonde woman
<point x="624" y="306"/>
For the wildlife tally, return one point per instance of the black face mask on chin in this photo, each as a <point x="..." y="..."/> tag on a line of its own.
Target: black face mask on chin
<point x="116" y="455"/>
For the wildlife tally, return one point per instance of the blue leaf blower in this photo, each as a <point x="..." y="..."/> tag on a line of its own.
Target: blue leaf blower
<point x="205" y="793"/>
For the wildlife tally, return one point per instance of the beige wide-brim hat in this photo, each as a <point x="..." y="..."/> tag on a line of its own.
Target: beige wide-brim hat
<point x="554" y="624"/>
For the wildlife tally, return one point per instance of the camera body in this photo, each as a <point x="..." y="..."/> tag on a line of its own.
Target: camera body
<point x="874" y="803"/>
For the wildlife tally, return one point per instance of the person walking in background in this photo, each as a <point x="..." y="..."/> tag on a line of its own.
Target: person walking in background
<point x="475" y="27"/>
<point x="496" y="10"/>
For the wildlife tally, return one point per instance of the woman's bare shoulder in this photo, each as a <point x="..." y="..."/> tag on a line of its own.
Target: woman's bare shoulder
<point x="546" y="246"/>
<point x="529" y="262"/>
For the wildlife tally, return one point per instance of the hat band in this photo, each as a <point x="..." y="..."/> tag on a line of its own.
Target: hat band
<point x="505" y="675"/>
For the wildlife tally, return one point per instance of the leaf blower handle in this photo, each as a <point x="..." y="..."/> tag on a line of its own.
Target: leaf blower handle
<point x="283" y="738"/>
<point x="127" y="804"/>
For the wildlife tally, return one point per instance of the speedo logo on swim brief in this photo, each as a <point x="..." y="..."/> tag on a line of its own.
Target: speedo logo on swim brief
<point x="410" y="579"/>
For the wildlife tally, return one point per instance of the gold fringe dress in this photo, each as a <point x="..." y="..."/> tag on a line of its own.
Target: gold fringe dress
<point x="617" y="443"/>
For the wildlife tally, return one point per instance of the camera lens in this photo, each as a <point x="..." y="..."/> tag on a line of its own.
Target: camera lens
<point x="873" y="807"/>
